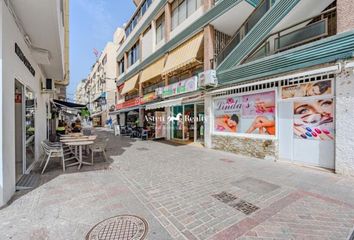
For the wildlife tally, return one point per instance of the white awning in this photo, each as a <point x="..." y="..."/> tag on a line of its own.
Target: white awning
<point x="167" y="103"/>
<point x="175" y="102"/>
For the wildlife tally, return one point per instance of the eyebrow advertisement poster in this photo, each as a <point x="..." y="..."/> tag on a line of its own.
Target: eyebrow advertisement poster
<point x="313" y="119"/>
<point x="252" y="114"/>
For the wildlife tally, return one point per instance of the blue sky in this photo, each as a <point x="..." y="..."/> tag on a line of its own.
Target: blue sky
<point x="92" y="24"/>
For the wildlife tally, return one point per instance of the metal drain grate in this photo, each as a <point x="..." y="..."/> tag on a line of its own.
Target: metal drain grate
<point x="28" y="181"/>
<point x="225" y="197"/>
<point x="242" y="205"/>
<point x="245" y="207"/>
<point x="124" y="227"/>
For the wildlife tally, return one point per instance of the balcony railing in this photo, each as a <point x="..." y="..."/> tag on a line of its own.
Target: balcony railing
<point x="312" y="29"/>
<point x="246" y="27"/>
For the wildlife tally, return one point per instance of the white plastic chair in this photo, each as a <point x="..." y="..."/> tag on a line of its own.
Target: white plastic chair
<point x="53" y="150"/>
<point x="99" y="147"/>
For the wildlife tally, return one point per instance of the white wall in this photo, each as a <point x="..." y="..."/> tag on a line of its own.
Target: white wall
<point x="344" y="124"/>
<point x="1" y="113"/>
<point x="208" y="128"/>
<point x="13" y="68"/>
<point x="147" y="44"/>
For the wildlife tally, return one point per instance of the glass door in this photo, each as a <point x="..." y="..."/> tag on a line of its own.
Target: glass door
<point x="30" y="128"/>
<point x="19" y="130"/>
<point x="200" y="123"/>
<point x="189" y="122"/>
<point x="177" y="122"/>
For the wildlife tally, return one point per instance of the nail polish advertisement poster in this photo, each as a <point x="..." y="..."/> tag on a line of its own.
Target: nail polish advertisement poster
<point x="313" y="119"/>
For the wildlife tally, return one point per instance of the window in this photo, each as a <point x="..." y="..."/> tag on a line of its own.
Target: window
<point x="160" y="28"/>
<point x="182" y="9"/>
<point x="133" y="54"/>
<point x="121" y="66"/>
<point x="191" y="7"/>
<point x="151" y="88"/>
<point x="135" y="19"/>
<point x="104" y="60"/>
<point x="131" y="96"/>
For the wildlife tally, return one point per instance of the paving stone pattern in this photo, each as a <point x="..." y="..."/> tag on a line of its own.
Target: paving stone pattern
<point x="185" y="192"/>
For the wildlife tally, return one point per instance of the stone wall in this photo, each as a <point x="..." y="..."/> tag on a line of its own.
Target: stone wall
<point x="251" y="147"/>
<point x="344" y="124"/>
<point x="345" y="15"/>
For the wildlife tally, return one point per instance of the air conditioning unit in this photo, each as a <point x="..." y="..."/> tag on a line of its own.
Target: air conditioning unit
<point x="48" y="86"/>
<point x="207" y="79"/>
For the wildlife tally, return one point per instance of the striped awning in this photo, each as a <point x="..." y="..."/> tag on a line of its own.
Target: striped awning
<point x="130" y="84"/>
<point x="183" y="55"/>
<point x="153" y="70"/>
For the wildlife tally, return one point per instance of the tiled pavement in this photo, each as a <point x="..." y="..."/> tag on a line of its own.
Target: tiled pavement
<point x="185" y="192"/>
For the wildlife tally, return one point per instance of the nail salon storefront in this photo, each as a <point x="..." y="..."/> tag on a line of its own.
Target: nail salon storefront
<point x="289" y="118"/>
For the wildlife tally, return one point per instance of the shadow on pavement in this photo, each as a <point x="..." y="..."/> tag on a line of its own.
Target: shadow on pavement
<point x="115" y="147"/>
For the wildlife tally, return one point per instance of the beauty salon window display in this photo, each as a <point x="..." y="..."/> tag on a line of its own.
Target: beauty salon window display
<point x="313" y="114"/>
<point x="247" y="114"/>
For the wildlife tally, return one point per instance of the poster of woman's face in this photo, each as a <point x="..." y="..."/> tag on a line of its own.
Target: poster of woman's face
<point x="320" y="88"/>
<point x="313" y="119"/>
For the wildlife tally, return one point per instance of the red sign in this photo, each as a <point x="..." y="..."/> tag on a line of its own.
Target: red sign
<point x="130" y="103"/>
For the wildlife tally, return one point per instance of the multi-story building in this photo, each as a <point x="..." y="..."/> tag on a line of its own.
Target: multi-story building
<point x="100" y="87"/>
<point x="283" y="69"/>
<point x="80" y="93"/>
<point x="34" y="63"/>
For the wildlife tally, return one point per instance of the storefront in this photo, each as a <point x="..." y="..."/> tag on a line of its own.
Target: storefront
<point x="288" y="118"/>
<point x="99" y="117"/>
<point x="25" y="128"/>
<point x="180" y="118"/>
<point x="187" y="122"/>
<point x="129" y="112"/>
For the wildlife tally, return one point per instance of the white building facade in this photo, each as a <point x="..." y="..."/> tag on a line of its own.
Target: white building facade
<point x="100" y="87"/>
<point x="33" y="64"/>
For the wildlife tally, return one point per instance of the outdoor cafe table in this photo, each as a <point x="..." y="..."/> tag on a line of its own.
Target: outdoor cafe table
<point x="75" y="139"/>
<point x="79" y="144"/>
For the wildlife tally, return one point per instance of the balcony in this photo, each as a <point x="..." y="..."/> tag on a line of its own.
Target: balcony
<point x="304" y="32"/>
<point x="242" y="31"/>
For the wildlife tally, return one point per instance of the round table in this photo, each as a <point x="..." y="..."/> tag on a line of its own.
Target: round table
<point x="79" y="144"/>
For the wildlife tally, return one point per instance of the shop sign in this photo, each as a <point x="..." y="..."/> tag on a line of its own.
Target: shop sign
<point x="130" y="103"/>
<point x="250" y="114"/>
<point x="25" y="61"/>
<point x="184" y="86"/>
<point x="148" y="97"/>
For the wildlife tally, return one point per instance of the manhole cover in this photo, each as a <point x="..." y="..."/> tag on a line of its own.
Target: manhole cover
<point x="124" y="227"/>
